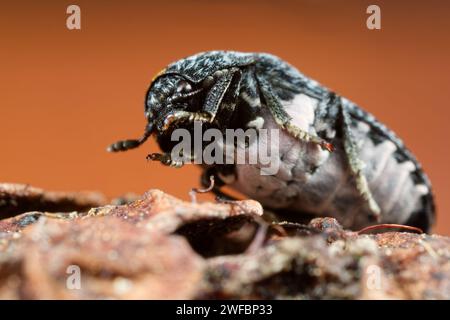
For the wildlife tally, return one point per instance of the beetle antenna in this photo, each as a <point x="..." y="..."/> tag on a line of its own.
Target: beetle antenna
<point x="124" y="145"/>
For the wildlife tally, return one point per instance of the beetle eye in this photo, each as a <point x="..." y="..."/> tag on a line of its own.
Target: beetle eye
<point x="183" y="87"/>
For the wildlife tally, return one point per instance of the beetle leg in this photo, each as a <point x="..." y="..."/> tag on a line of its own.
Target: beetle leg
<point x="284" y="120"/>
<point x="218" y="183"/>
<point x="165" y="159"/>
<point x="355" y="164"/>
<point x="218" y="91"/>
<point x="182" y="116"/>
<point x="184" y="96"/>
<point x="194" y="191"/>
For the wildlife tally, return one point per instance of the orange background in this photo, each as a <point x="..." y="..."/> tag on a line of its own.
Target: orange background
<point x="65" y="95"/>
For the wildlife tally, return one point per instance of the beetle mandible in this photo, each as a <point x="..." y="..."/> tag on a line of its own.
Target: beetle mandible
<point x="336" y="159"/>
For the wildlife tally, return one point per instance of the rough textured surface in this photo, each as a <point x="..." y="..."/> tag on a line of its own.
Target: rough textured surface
<point x="19" y="198"/>
<point x="159" y="247"/>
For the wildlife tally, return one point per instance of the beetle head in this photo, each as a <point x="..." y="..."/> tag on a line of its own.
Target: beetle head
<point x="168" y="95"/>
<point x="181" y="87"/>
<point x="172" y="100"/>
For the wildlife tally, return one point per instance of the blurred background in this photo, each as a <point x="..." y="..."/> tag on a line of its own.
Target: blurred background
<point x="67" y="94"/>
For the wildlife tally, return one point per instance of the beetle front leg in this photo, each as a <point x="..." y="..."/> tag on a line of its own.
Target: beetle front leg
<point x="185" y="116"/>
<point x="217" y="94"/>
<point x="165" y="159"/>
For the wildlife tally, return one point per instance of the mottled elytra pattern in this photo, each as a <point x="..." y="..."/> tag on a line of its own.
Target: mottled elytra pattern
<point x="196" y="67"/>
<point x="335" y="158"/>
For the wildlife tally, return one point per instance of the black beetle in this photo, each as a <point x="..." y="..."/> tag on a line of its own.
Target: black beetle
<point x="336" y="159"/>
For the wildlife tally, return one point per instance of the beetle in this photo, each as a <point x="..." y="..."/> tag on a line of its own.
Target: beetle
<point x="335" y="158"/>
